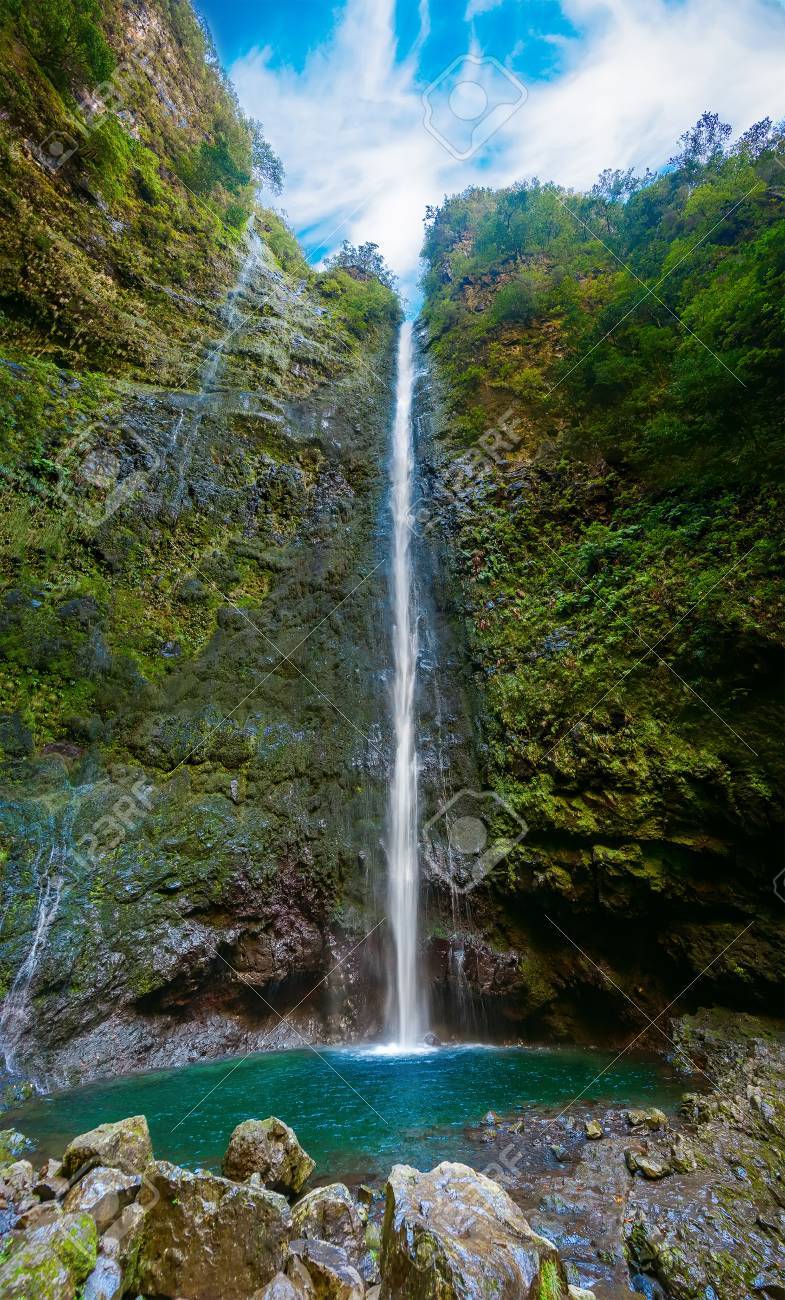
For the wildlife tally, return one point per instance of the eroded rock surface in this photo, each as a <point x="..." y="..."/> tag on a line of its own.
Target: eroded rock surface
<point x="204" y="1236"/>
<point x="454" y="1234"/>
<point x="270" y="1149"/>
<point x="124" y="1145"/>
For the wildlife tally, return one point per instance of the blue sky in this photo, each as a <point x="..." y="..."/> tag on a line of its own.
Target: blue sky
<point x="379" y="108"/>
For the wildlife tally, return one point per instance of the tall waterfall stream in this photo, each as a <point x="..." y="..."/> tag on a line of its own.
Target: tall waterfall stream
<point x="407" y="1018"/>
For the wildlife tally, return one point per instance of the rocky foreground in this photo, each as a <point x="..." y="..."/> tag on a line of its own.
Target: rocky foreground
<point x="691" y="1208"/>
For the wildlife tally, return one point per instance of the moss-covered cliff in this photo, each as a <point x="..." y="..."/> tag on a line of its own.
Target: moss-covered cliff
<point x="193" y="428"/>
<point x="604" y="467"/>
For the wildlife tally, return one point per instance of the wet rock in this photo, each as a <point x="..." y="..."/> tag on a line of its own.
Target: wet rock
<point x="49" y="1185"/>
<point x="432" y="1040"/>
<point x="580" y="1293"/>
<point x="593" y="1130"/>
<point x="123" y="1145"/>
<point x="682" y="1155"/>
<point x="490" y="1119"/>
<point x="105" y="1282"/>
<point x="650" y="1119"/>
<point x="330" y="1214"/>
<point x="121" y="1241"/>
<point x="453" y="1233"/>
<point x="103" y="1193"/>
<point x="18" y="1180"/>
<point x="326" y="1268"/>
<point x="38" y="1215"/>
<point x="13" y="1145"/>
<point x="269" y="1148"/>
<point x="279" y="1289"/>
<point x="50" y="1262"/>
<point x="204" y="1236"/>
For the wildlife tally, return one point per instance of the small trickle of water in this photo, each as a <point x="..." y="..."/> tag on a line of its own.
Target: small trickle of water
<point x="408" y="1017"/>
<point x="15" y="1015"/>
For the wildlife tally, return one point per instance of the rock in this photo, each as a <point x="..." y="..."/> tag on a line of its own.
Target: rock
<point x="37" y="1215"/>
<point x="124" y="1145"/>
<point x="50" y="1186"/>
<point x="490" y="1119"/>
<point x="560" y="1152"/>
<point x="650" y="1166"/>
<point x="18" y="1180"/>
<point x="103" y="1193"/>
<point x="50" y="1262"/>
<point x="652" y="1119"/>
<point x="593" y="1130"/>
<point x="682" y="1155"/>
<point x="105" y="1282"/>
<point x="580" y="1293"/>
<point x="121" y="1241"/>
<point x="454" y="1234"/>
<point x="269" y="1148"/>
<point x="432" y="1040"/>
<point x="13" y="1144"/>
<point x="330" y="1214"/>
<point x="279" y="1289"/>
<point x="204" y="1236"/>
<point x="327" y="1269"/>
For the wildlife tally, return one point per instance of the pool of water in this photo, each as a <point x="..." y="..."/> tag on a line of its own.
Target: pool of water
<point x="356" y="1110"/>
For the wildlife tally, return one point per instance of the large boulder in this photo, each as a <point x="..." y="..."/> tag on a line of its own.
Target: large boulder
<point x="103" y="1193"/>
<point x="50" y="1262"/>
<point x="269" y="1148"/>
<point x="204" y="1236"/>
<point x="279" y="1289"/>
<point x="124" y="1145"/>
<point x="330" y="1214"/>
<point x="453" y="1234"/>
<point x="322" y="1271"/>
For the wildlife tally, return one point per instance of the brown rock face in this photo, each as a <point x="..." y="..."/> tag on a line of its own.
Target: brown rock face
<point x="330" y="1214"/>
<point x="269" y="1148"/>
<point x="125" y="1145"/>
<point x="103" y="1193"/>
<point x="454" y="1234"/>
<point x="206" y="1236"/>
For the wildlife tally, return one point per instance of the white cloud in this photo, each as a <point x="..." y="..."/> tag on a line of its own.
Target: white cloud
<point x="360" y="164"/>
<point x="475" y="7"/>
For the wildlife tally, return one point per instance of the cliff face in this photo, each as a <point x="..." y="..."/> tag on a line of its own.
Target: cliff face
<point x="602" y="467"/>
<point x="195" y="427"/>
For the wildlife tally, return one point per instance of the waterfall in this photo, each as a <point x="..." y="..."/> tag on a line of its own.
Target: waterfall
<point x="16" y="1012"/>
<point x="407" y="1018"/>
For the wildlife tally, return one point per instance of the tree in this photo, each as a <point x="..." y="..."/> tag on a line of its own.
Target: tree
<point x="365" y="258"/>
<point x="703" y="144"/>
<point x="267" y="166"/>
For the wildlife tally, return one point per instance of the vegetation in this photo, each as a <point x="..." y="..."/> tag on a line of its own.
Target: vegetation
<point x="141" y="179"/>
<point x="611" y="367"/>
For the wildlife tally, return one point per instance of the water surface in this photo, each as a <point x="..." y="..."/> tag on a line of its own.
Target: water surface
<point x="356" y="1110"/>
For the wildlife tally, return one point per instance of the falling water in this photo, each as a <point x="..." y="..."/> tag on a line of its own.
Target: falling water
<point x="407" y="1012"/>
<point x="15" y="1015"/>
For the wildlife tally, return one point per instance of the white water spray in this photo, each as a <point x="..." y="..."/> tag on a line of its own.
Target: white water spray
<point x="403" y="868"/>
